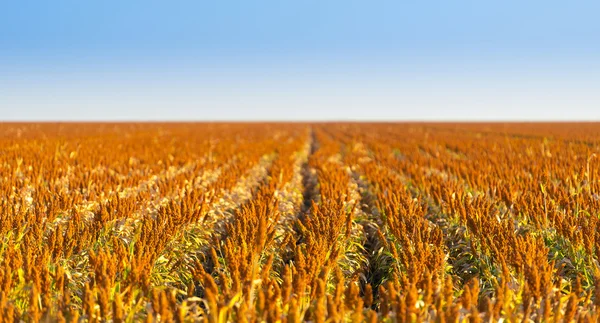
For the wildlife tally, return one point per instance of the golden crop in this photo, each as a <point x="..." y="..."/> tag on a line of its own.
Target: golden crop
<point x="299" y="222"/>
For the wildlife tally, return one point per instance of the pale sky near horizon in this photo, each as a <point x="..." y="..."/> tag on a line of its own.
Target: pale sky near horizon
<point x="300" y="60"/>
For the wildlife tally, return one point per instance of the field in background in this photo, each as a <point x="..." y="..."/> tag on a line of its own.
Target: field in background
<point x="293" y="222"/>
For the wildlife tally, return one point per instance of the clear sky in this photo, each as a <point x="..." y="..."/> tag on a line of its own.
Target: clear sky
<point x="299" y="60"/>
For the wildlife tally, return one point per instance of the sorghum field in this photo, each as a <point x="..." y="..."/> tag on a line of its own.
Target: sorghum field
<point x="299" y="222"/>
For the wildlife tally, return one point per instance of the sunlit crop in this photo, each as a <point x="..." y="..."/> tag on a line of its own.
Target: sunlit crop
<point x="299" y="222"/>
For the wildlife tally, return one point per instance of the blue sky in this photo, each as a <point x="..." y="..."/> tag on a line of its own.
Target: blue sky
<point x="299" y="60"/>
